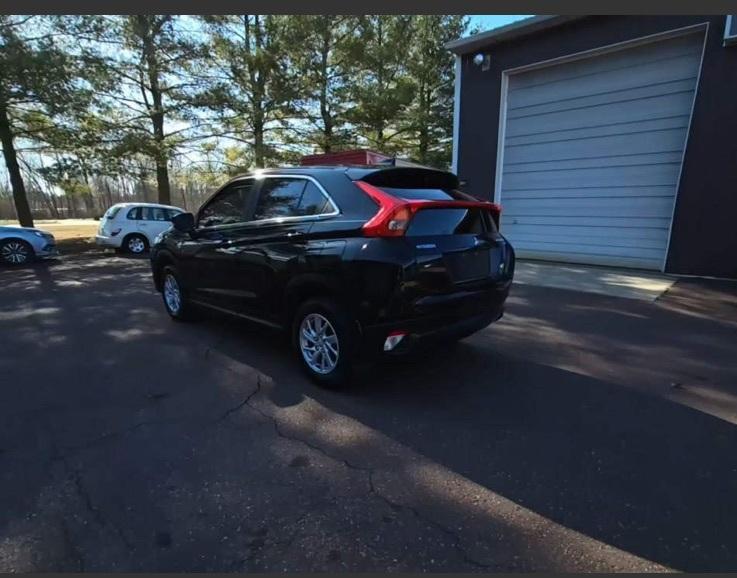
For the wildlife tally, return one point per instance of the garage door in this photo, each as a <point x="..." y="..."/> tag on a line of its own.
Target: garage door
<point x="592" y="154"/>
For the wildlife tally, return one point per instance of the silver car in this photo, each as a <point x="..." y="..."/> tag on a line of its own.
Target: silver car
<point x="19" y="245"/>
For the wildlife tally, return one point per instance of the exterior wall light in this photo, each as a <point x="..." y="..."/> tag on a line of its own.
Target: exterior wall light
<point x="482" y="60"/>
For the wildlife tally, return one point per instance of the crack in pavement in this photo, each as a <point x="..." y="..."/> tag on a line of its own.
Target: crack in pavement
<point x="447" y="531"/>
<point x="63" y="454"/>
<point x="70" y="547"/>
<point x="96" y="512"/>
<point x="246" y="401"/>
<point x="372" y="489"/>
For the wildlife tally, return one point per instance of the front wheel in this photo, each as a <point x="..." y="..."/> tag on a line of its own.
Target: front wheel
<point x="175" y="296"/>
<point x="326" y="340"/>
<point x="16" y="252"/>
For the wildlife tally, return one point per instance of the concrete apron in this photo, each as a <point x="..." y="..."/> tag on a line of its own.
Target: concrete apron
<point x="627" y="283"/>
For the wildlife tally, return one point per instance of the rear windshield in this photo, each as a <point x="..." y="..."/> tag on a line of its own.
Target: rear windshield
<point x="111" y="212"/>
<point x="443" y="221"/>
<point x="420" y="194"/>
<point x="450" y="222"/>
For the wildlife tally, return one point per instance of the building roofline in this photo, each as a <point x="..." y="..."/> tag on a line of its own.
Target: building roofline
<point x="503" y="33"/>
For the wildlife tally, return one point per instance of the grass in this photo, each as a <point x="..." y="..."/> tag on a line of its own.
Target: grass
<point x="72" y="235"/>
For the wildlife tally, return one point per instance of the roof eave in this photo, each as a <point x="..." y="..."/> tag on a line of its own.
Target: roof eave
<point x="508" y="32"/>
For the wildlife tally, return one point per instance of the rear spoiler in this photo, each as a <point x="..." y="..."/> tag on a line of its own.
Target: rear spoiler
<point x="405" y="177"/>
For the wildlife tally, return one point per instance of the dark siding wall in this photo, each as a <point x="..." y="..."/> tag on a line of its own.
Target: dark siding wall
<point x="704" y="235"/>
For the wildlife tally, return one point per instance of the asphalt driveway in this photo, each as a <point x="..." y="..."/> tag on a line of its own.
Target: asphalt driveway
<point x="581" y="433"/>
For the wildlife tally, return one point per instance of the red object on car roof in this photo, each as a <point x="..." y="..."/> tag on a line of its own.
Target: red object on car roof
<point x="351" y="157"/>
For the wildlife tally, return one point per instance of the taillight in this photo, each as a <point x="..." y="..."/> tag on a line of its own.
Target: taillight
<point x="394" y="215"/>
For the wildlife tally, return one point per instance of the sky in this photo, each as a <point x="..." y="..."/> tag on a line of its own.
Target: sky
<point x="487" y="21"/>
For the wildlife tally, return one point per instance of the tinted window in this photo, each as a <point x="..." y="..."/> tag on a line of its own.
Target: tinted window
<point x="154" y="214"/>
<point x="229" y="206"/>
<point x="290" y="198"/>
<point x="449" y="222"/>
<point x="420" y="194"/>
<point x="135" y="213"/>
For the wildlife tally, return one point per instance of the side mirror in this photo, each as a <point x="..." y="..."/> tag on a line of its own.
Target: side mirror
<point x="183" y="222"/>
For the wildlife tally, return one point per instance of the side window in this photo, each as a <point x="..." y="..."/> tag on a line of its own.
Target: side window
<point x="135" y="214"/>
<point x="227" y="207"/>
<point x="153" y="214"/>
<point x="290" y="198"/>
<point x="171" y="213"/>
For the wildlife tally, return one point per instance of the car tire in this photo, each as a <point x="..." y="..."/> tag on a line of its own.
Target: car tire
<point x="325" y="337"/>
<point x="174" y="294"/>
<point x="16" y="252"/>
<point x="135" y="244"/>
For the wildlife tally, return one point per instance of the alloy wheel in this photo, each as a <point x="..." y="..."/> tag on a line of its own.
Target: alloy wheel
<point x="172" y="294"/>
<point x="318" y="343"/>
<point x="15" y="252"/>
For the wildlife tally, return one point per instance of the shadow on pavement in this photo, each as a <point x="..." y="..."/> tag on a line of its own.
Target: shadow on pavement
<point x="635" y="471"/>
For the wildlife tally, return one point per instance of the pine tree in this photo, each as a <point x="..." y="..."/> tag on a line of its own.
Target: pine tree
<point x="325" y="49"/>
<point x="381" y="90"/>
<point x="430" y="66"/>
<point x="148" y="111"/>
<point x="251" y="83"/>
<point x="41" y="85"/>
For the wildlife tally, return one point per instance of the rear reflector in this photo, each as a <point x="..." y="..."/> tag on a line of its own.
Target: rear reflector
<point x="393" y="339"/>
<point x="394" y="214"/>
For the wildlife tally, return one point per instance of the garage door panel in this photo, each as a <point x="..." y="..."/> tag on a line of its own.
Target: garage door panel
<point x="594" y="162"/>
<point x="654" y="174"/>
<point x="551" y="132"/>
<point x="673" y="49"/>
<point x="646" y="91"/>
<point x="645" y="142"/>
<point x="606" y="207"/>
<point x="656" y="236"/>
<point x="631" y="111"/>
<point x="591" y="258"/>
<point x="618" y="192"/>
<point x="624" y="79"/>
<point x="615" y="241"/>
<point x="598" y="221"/>
<point x="582" y="248"/>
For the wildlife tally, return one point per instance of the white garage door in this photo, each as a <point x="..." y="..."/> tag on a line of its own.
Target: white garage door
<point x="592" y="154"/>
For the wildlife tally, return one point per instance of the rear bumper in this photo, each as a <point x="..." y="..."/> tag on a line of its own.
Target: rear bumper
<point x="432" y="329"/>
<point x="104" y="241"/>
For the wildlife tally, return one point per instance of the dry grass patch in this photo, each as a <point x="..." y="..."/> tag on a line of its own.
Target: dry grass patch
<point x="72" y="235"/>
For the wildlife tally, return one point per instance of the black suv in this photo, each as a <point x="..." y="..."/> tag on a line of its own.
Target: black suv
<point x="351" y="260"/>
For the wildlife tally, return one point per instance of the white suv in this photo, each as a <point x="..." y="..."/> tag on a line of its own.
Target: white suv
<point x="133" y="227"/>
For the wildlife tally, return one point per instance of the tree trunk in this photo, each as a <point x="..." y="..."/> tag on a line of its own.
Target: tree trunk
<point x="327" y="119"/>
<point x="257" y="74"/>
<point x="424" y="132"/>
<point x="258" y="142"/>
<point x="22" y="209"/>
<point x="157" y="119"/>
<point x="162" y="180"/>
